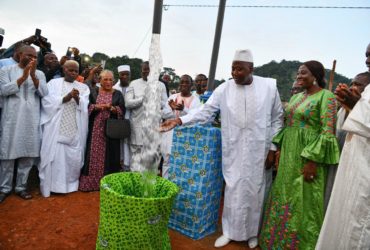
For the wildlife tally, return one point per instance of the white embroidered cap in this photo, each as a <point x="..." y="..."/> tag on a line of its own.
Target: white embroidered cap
<point x="243" y="55"/>
<point x="123" y="68"/>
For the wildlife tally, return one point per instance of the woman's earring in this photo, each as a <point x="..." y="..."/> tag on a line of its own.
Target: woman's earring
<point x="314" y="82"/>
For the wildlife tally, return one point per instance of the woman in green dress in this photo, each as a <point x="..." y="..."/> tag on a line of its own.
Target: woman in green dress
<point x="294" y="210"/>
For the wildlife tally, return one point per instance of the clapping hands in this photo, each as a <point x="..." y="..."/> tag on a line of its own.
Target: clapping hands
<point x="348" y="97"/>
<point x="107" y="106"/>
<point x="176" y="106"/>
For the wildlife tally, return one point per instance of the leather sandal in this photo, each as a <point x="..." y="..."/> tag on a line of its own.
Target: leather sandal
<point x="24" y="195"/>
<point x="3" y="196"/>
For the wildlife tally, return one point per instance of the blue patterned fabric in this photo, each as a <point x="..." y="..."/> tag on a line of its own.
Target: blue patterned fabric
<point x="195" y="166"/>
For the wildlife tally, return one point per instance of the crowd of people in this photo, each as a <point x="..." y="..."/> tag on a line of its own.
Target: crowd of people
<point x="54" y="117"/>
<point x="55" y="113"/>
<point x="302" y="146"/>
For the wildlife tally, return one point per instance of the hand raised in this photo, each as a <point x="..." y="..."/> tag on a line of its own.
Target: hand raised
<point x="33" y="64"/>
<point x="76" y="52"/>
<point x="172" y="104"/>
<point x="347" y="97"/>
<point x="29" y="40"/>
<point x="180" y="106"/>
<point x="75" y="93"/>
<point x="26" y="70"/>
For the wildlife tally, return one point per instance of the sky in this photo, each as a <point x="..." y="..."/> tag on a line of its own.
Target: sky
<point x="123" y="27"/>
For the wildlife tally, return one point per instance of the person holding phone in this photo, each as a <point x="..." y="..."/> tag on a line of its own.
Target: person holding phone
<point x="92" y="79"/>
<point x="73" y="53"/>
<point x="51" y="68"/>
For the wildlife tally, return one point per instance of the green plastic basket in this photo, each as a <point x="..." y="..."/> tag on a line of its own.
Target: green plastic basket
<point x="128" y="221"/>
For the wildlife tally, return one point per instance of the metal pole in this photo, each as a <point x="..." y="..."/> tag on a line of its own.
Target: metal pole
<point x="157" y="17"/>
<point x="331" y="78"/>
<point x="216" y="45"/>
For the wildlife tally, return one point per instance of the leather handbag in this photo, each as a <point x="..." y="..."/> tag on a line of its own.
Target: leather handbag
<point x="117" y="129"/>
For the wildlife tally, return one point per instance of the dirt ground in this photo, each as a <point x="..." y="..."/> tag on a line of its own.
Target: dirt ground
<point x="68" y="222"/>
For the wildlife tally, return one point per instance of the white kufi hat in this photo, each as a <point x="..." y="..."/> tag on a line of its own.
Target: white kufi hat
<point x="243" y="55"/>
<point x="123" y="68"/>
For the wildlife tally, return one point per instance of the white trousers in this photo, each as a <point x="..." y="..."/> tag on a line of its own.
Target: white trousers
<point x="7" y="172"/>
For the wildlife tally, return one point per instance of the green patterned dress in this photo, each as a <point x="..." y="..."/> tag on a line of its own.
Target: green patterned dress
<point x="294" y="210"/>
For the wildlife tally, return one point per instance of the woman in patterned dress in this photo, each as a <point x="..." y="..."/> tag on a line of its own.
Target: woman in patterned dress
<point x="102" y="154"/>
<point x="294" y="210"/>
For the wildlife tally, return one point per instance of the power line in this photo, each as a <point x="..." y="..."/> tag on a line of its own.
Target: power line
<point x="166" y="6"/>
<point x="142" y="41"/>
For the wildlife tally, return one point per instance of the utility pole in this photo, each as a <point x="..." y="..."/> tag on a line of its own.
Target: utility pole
<point x="216" y="45"/>
<point x="157" y="17"/>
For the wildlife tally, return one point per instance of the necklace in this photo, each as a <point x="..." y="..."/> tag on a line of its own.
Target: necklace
<point x="314" y="92"/>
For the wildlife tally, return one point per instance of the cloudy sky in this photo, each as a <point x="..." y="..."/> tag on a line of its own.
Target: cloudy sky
<point x="123" y="27"/>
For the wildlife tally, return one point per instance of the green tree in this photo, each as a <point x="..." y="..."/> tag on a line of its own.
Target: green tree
<point x="285" y="73"/>
<point x="112" y="63"/>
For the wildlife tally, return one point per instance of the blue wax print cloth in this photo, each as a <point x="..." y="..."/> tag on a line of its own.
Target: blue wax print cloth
<point x="204" y="98"/>
<point x="195" y="166"/>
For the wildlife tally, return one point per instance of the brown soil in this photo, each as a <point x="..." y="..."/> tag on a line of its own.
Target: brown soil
<point x="68" y="222"/>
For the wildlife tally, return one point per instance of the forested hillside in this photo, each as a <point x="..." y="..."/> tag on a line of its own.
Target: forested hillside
<point x="285" y="73"/>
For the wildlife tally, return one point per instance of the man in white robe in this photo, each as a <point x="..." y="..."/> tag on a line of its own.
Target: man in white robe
<point x="251" y="114"/>
<point x="347" y="220"/>
<point x="134" y="99"/>
<point x="22" y="87"/>
<point x="124" y="75"/>
<point x="359" y="82"/>
<point x="64" y="123"/>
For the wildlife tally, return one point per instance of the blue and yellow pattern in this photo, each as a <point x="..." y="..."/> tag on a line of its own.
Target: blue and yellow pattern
<point x="195" y="166"/>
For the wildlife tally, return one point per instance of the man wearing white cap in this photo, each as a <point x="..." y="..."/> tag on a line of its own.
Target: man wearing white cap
<point x="124" y="75"/>
<point x="251" y="114"/>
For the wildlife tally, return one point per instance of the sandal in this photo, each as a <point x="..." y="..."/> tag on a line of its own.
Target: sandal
<point x="24" y="195"/>
<point x="3" y="196"/>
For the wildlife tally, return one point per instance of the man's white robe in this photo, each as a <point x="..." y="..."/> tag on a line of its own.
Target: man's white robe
<point x="62" y="157"/>
<point x="250" y="116"/>
<point x="134" y="102"/>
<point x="125" y="149"/>
<point x="347" y="220"/>
<point x="20" y="121"/>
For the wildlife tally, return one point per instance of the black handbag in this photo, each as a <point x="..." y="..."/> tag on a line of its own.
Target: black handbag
<point x="117" y="129"/>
